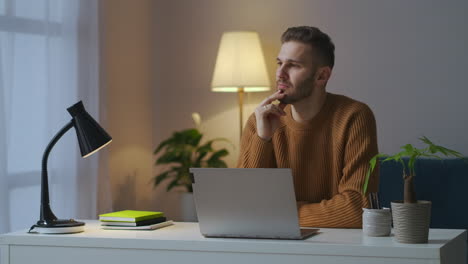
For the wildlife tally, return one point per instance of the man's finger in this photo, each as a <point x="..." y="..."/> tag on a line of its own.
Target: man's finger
<point x="282" y="106"/>
<point x="272" y="109"/>
<point x="272" y="98"/>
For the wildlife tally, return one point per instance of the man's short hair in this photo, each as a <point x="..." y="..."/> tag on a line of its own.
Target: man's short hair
<point x="320" y="42"/>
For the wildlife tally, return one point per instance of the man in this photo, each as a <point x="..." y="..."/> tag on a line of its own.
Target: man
<point x="326" y="139"/>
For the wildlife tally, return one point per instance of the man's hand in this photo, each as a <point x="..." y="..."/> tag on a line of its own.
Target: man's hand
<point x="268" y="115"/>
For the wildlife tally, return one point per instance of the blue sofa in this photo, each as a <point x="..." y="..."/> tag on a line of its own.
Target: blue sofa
<point x="443" y="182"/>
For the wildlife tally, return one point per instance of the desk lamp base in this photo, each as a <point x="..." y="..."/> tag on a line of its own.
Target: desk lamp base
<point x="59" y="226"/>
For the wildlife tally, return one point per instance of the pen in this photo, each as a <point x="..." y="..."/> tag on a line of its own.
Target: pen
<point x="371" y="201"/>
<point x="377" y="200"/>
<point x="374" y="201"/>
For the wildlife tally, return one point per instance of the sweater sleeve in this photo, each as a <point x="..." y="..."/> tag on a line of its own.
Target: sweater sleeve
<point x="344" y="209"/>
<point x="254" y="151"/>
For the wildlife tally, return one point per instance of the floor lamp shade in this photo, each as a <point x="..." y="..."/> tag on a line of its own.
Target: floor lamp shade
<point x="91" y="138"/>
<point x="240" y="66"/>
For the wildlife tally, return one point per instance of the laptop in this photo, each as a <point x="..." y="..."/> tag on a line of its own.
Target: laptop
<point x="246" y="203"/>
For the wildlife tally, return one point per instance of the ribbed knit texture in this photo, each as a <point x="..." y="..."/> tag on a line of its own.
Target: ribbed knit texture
<point x="329" y="157"/>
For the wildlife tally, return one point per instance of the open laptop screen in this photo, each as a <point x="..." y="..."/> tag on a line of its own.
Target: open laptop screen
<point x="254" y="203"/>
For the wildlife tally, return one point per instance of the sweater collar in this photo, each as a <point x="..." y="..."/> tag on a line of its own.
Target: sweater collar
<point x="312" y="123"/>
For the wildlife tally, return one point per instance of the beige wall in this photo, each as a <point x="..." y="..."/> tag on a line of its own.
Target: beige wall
<point x="126" y="36"/>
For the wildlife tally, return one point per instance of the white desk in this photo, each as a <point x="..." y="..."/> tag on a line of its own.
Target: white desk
<point x="182" y="243"/>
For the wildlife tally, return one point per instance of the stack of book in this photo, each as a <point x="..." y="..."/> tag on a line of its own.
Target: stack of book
<point x="131" y="219"/>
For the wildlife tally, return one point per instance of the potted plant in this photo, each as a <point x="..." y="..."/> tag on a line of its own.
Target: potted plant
<point x="182" y="151"/>
<point x="411" y="217"/>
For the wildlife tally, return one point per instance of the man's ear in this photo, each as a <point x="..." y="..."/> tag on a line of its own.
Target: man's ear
<point x="324" y="74"/>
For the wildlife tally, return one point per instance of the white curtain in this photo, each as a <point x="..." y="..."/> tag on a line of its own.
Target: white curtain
<point x="48" y="61"/>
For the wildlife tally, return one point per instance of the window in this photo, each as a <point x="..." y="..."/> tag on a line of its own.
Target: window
<point x="39" y="73"/>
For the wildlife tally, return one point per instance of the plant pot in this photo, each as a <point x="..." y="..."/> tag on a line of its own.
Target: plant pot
<point x="411" y="221"/>
<point x="376" y="222"/>
<point x="187" y="207"/>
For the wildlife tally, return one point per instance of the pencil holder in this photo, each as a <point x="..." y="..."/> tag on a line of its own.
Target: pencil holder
<point x="376" y="222"/>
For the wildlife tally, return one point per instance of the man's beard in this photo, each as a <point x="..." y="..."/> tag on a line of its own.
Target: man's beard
<point x="303" y="90"/>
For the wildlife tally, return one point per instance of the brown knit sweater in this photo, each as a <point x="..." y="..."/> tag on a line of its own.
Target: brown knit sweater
<point x="329" y="157"/>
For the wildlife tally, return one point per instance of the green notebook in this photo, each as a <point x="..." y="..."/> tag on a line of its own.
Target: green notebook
<point x="146" y="227"/>
<point x="129" y="216"/>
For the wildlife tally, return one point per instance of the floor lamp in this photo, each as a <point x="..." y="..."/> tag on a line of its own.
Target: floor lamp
<point x="240" y="67"/>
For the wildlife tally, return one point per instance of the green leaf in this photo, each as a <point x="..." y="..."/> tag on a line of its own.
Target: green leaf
<point x="398" y="157"/>
<point x="205" y="148"/>
<point x="216" y="164"/>
<point x="433" y="149"/>
<point x="161" y="177"/>
<point x="413" y="154"/>
<point x="174" y="183"/>
<point x="168" y="157"/>
<point x="426" y="140"/>
<point x="219" y="154"/>
<point x="366" y="182"/>
<point x="451" y="153"/>
<point x="409" y="149"/>
<point x="201" y="152"/>
<point x="190" y="137"/>
<point x="372" y="164"/>
<point x="183" y="148"/>
<point x="389" y="159"/>
<point x="442" y="150"/>
<point x="163" y="144"/>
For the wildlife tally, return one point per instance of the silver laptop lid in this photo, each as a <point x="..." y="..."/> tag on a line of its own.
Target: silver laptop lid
<point x="255" y="203"/>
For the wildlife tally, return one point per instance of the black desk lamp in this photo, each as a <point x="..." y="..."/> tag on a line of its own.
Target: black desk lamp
<point x="91" y="138"/>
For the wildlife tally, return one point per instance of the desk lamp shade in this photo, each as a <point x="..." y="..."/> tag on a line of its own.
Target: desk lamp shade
<point x="240" y="66"/>
<point x="91" y="138"/>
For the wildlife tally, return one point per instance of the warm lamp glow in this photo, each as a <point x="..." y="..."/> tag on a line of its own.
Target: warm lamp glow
<point x="236" y="89"/>
<point x="240" y="64"/>
<point x="101" y="147"/>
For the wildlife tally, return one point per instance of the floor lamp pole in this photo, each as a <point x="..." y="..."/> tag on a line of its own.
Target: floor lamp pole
<point x="240" y="94"/>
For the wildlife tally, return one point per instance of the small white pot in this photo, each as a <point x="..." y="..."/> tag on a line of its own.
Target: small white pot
<point x="376" y="222"/>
